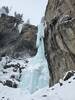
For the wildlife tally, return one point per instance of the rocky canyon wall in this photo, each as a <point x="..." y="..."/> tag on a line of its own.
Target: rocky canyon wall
<point x="13" y="43"/>
<point x="60" y="38"/>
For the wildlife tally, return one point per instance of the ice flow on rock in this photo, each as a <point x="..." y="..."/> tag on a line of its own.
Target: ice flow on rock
<point x="36" y="76"/>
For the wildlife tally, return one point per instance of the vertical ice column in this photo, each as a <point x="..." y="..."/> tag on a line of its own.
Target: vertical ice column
<point x="40" y="58"/>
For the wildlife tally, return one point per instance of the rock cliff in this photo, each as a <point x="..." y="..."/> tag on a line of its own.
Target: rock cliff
<point x="60" y="38"/>
<point x="13" y="43"/>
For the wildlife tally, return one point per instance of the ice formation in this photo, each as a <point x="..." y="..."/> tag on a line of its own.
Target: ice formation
<point x="20" y="26"/>
<point x="36" y="76"/>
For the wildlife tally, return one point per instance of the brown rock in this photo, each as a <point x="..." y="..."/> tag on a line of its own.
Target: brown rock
<point x="60" y="38"/>
<point x="27" y="40"/>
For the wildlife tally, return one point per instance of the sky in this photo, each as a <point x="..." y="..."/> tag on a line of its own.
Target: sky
<point x="31" y="9"/>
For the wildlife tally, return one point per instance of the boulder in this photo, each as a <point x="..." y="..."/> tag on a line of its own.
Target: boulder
<point x="9" y="83"/>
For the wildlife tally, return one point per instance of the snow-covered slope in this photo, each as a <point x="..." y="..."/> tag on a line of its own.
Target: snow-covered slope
<point x="7" y="93"/>
<point x="57" y="92"/>
<point x="66" y="91"/>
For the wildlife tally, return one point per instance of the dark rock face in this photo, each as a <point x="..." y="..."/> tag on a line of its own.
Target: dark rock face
<point x="60" y="38"/>
<point x="26" y="42"/>
<point x="13" y="43"/>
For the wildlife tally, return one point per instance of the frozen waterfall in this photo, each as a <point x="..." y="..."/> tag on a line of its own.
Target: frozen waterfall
<point x="36" y="75"/>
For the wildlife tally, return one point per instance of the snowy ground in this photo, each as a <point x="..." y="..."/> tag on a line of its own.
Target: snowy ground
<point x="57" y="92"/>
<point x="7" y="93"/>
